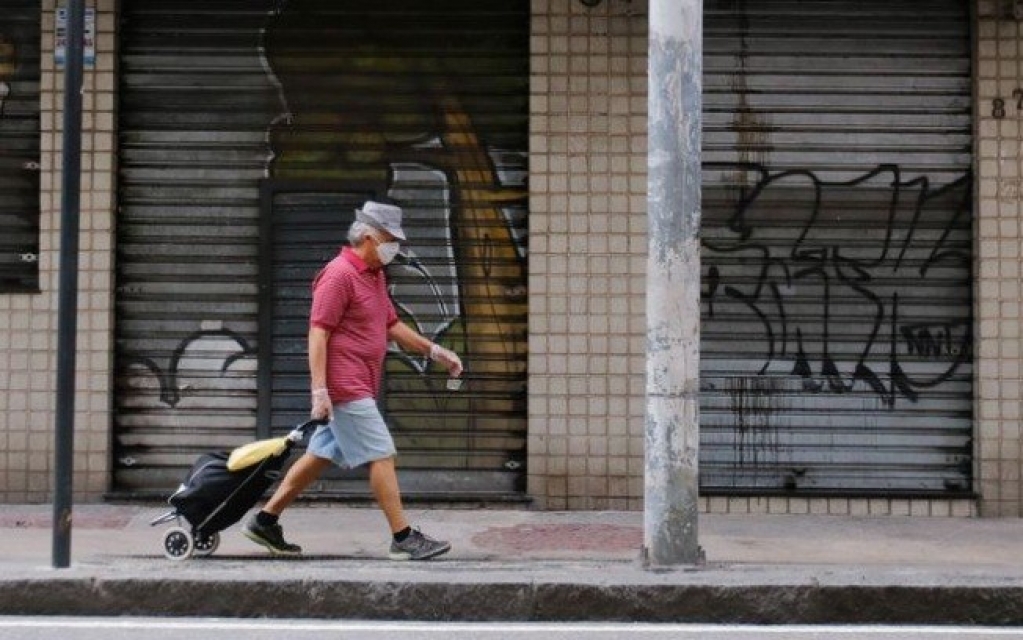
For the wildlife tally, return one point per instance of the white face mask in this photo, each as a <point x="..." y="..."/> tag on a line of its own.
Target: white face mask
<point x="386" y="251"/>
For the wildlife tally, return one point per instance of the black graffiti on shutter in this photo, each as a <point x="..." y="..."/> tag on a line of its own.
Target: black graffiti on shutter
<point x="881" y="360"/>
<point x="753" y="401"/>
<point x="169" y="377"/>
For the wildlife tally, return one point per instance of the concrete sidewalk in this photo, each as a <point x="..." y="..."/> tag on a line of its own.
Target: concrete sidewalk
<point x="527" y="565"/>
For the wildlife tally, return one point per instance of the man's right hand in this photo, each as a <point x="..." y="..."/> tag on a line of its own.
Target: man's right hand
<point x="322" y="408"/>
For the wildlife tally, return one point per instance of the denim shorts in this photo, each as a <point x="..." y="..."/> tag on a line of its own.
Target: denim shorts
<point x="355" y="436"/>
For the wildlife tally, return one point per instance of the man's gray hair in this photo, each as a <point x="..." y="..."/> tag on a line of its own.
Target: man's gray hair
<point x="358" y="231"/>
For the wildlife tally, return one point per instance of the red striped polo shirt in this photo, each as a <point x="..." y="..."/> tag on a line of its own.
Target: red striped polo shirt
<point x="351" y="303"/>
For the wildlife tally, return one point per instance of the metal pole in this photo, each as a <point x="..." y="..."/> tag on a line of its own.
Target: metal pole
<point x="67" y="310"/>
<point x="671" y="499"/>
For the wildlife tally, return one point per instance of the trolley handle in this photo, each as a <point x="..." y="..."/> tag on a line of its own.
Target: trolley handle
<point x="299" y="431"/>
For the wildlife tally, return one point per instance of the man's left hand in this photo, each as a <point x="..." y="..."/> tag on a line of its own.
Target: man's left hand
<point x="447" y="358"/>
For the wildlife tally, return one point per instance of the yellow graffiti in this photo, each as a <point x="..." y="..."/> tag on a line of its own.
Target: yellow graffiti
<point x="8" y="65"/>
<point x="490" y="273"/>
<point x="8" y="60"/>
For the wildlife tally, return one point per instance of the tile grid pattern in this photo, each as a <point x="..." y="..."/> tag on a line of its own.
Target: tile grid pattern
<point x="998" y="302"/>
<point x="587" y="254"/>
<point x="28" y="322"/>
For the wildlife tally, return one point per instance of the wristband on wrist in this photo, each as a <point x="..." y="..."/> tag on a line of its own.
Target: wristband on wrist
<point x="434" y="350"/>
<point x="322" y="391"/>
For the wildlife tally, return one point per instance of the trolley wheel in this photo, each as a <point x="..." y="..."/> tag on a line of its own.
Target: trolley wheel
<point x="177" y="544"/>
<point x="206" y="545"/>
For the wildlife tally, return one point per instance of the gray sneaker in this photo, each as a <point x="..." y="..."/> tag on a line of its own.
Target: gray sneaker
<point x="271" y="537"/>
<point x="418" y="546"/>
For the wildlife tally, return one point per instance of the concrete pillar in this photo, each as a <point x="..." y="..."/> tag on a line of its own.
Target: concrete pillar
<point x="671" y="501"/>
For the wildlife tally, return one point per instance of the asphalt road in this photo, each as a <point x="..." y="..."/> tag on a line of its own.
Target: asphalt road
<point x="54" y="628"/>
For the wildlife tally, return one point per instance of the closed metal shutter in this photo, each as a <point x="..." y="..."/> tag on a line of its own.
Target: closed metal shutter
<point x="195" y="106"/>
<point x="320" y="105"/>
<point x="19" y="146"/>
<point x="836" y="346"/>
<point x="424" y="104"/>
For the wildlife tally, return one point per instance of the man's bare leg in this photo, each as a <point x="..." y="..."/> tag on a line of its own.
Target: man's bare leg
<point x="408" y="544"/>
<point x="263" y="528"/>
<point x="303" y="473"/>
<point x="383" y="480"/>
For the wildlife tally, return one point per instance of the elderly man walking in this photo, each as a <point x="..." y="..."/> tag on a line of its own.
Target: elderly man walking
<point x="351" y="322"/>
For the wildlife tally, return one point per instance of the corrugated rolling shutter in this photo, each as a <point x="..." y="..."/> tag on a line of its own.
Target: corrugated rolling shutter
<point x="195" y="106"/>
<point x="424" y="104"/>
<point x="836" y="346"/>
<point x="19" y="146"/>
<point x="320" y="104"/>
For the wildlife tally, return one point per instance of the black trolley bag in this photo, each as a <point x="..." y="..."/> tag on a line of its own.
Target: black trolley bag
<point x="212" y="497"/>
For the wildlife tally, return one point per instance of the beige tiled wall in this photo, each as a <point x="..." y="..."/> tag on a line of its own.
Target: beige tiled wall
<point x="28" y="323"/>
<point x="998" y="306"/>
<point x="587" y="255"/>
